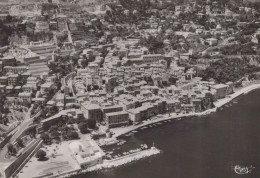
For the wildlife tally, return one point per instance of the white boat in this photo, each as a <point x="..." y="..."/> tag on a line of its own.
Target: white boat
<point x="243" y="170"/>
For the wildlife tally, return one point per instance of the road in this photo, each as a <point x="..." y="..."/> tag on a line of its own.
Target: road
<point x="18" y="131"/>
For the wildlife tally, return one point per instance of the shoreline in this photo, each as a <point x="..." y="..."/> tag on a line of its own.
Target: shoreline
<point x="107" y="164"/>
<point x="219" y="103"/>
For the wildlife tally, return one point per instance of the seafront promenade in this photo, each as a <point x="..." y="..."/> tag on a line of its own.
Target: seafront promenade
<point x="121" y="131"/>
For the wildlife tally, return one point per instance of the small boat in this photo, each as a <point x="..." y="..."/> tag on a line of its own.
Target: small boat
<point x="243" y="170"/>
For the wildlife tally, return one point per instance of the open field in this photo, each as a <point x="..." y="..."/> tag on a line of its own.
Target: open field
<point x="59" y="161"/>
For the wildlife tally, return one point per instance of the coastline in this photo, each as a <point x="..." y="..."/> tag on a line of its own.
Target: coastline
<point x="153" y="151"/>
<point x="114" y="163"/>
<point x="221" y="102"/>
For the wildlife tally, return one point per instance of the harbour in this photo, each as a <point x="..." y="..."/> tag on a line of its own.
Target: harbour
<point x="229" y="132"/>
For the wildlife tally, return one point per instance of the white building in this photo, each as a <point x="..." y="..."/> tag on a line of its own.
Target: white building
<point x="86" y="153"/>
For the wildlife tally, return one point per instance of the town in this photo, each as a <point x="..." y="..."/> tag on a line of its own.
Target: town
<point x="75" y="75"/>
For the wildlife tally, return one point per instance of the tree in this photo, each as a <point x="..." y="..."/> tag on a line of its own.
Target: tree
<point x="36" y="120"/>
<point x="57" y="83"/>
<point x="91" y="123"/>
<point x="73" y="135"/>
<point x="11" y="149"/>
<point x="53" y="127"/>
<point x="9" y="18"/>
<point x="32" y="131"/>
<point x="45" y="137"/>
<point x="19" y="141"/>
<point x="81" y="119"/>
<point x="54" y="110"/>
<point x="55" y="134"/>
<point x="40" y="154"/>
<point x="83" y="127"/>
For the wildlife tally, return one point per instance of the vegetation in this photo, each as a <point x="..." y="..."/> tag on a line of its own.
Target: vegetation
<point x="236" y="49"/>
<point x="11" y="149"/>
<point x="45" y="137"/>
<point x="72" y="135"/>
<point x="91" y="123"/>
<point x="138" y="5"/>
<point x="6" y="32"/>
<point x="19" y="142"/>
<point x="83" y="127"/>
<point x="154" y="44"/>
<point x="41" y="154"/>
<point x="228" y="70"/>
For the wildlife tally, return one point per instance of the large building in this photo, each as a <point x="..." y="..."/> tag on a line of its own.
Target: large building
<point x="12" y="79"/>
<point x="25" y="97"/>
<point x="16" y="69"/>
<point x="3" y="80"/>
<point x="86" y="153"/>
<point x="8" y="61"/>
<point x="117" y="119"/>
<point x="42" y="26"/>
<point x="221" y="90"/>
<point x="92" y="111"/>
<point x="150" y="58"/>
<point x="114" y="108"/>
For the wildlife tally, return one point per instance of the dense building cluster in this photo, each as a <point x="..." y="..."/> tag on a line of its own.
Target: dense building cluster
<point x="74" y="69"/>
